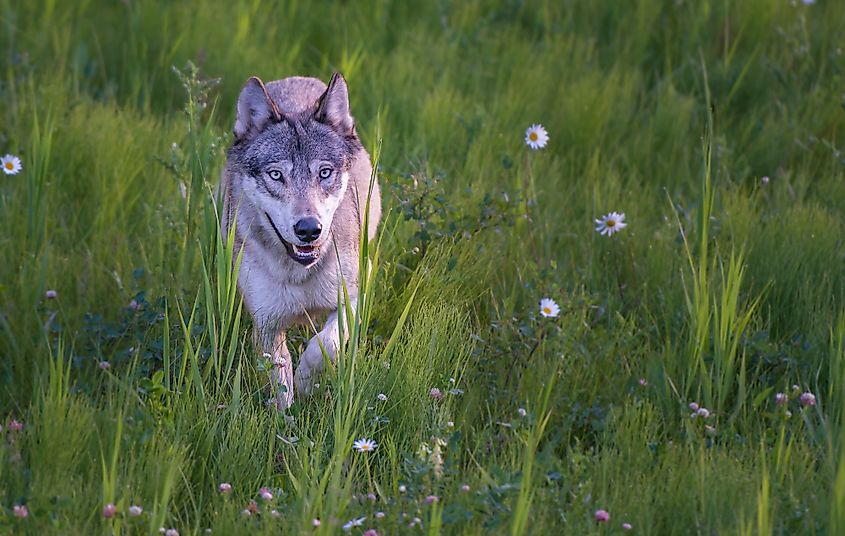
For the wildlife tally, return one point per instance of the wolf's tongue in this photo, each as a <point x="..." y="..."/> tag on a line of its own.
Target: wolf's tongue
<point x="305" y="249"/>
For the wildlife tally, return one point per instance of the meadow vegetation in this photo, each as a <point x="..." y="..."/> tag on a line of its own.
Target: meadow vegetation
<point x="691" y="382"/>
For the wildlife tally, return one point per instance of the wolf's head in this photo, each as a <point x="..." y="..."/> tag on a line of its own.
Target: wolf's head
<point x="292" y="165"/>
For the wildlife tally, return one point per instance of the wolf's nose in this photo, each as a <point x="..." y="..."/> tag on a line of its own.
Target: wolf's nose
<point x="308" y="229"/>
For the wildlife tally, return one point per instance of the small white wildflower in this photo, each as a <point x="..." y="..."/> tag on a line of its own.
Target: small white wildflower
<point x="353" y="523"/>
<point x="611" y="223"/>
<point x="11" y="164"/>
<point x="364" y="445"/>
<point x="536" y="136"/>
<point x="382" y="397"/>
<point x="549" y="308"/>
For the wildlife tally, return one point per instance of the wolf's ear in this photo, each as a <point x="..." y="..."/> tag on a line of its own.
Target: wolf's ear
<point x="333" y="107"/>
<point x="255" y="109"/>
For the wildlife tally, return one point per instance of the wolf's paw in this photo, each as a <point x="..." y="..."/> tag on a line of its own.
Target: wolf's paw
<point x="281" y="386"/>
<point x="281" y="401"/>
<point x="310" y="365"/>
<point x="304" y="379"/>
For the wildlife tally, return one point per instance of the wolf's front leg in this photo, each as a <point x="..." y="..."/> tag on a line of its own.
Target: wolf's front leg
<point x="311" y="361"/>
<point x="281" y="374"/>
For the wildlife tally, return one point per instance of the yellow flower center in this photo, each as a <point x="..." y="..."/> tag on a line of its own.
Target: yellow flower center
<point x="533" y="136"/>
<point x="365" y="447"/>
<point x="9" y="165"/>
<point x="547" y="310"/>
<point x="611" y="223"/>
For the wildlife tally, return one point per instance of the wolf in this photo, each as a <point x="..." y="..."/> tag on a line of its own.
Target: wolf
<point x="294" y="188"/>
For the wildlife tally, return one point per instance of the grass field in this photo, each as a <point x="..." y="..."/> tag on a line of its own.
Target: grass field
<point x="127" y="372"/>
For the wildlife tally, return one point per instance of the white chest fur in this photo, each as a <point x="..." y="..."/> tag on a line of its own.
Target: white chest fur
<point x="280" y="292"/>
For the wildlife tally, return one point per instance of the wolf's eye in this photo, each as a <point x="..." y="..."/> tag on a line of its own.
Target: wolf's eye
<point x="325" y="173"/>
<point x="275" y="174"/>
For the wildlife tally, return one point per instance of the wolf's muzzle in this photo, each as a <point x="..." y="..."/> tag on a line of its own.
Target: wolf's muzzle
<point x="305" y="255"/>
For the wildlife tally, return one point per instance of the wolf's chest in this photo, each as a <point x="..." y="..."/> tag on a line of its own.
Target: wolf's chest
<point x="275" y="291"/>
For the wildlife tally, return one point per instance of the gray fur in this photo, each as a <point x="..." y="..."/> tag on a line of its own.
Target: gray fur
<point x="304" y="129"/>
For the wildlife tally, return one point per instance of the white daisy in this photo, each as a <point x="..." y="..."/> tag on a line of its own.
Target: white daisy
<point x="364" y="445"/>
<point x="611" y="223"/>
<point x="382" y="397"/>
<point x="549" y="308"/>
<point x="11" y="164"/>
<point x="536" y="136"/>
<point x="353" y="523"/>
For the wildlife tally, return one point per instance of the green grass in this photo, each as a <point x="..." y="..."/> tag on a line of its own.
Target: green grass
<point x="723" y="290"/>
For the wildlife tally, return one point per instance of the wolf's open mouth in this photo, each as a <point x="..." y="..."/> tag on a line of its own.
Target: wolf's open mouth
<point x="304" y="255"/>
